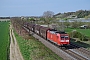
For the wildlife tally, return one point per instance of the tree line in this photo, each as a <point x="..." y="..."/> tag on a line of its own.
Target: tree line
<point x="4" y="17"/>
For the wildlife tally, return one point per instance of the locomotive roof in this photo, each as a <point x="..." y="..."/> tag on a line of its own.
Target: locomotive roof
<point x="55" y="31"/>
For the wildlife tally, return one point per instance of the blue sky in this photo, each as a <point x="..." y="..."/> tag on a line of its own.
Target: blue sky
<point x="37" y="7"/>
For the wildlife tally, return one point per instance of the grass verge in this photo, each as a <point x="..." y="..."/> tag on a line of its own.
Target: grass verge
<point x="33" y="49"/>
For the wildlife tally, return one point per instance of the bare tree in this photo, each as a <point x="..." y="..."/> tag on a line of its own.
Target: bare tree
<point x="48" y="15"/>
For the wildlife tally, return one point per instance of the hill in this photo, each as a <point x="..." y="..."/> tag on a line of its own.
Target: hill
<point x="77" y="14"/>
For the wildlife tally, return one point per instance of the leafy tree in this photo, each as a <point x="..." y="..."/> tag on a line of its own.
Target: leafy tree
<point x="32" y="20"/>
<point x="74" y="24"/>
<point x="67" y="23"/>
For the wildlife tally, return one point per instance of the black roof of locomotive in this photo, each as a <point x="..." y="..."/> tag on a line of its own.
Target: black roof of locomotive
<point x="56" y="31"/>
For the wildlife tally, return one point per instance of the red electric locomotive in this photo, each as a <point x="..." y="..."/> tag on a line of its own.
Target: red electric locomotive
<point x="58" y="37"/>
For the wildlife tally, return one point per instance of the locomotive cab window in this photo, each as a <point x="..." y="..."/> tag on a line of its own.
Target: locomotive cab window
<point x="62" y="37"/>
<point x="66" y="37"/>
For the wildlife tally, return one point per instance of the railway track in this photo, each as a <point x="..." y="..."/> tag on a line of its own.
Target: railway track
<point x="67" y="53"/>
<point x="81" y="51"/>
<point x="70" y="50"/>
<point x="75" y="55"/>
<point x="85" y="51"/>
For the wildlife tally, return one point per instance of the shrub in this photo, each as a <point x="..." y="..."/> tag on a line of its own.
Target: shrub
<point x="76" y="34"/>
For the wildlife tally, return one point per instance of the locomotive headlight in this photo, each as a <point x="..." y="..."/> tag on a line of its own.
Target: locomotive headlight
<point x="67" y="40"/>
<point x="62" y="40"/>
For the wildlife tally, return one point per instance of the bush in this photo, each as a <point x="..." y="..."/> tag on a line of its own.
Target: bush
<point x="76" y="34"/>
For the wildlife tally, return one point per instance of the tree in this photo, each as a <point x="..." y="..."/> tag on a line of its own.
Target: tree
<point x="67" y="23"/>
<point x="48" y="15"/>
<point x="75" y="24"/>
<point x="32" y="20"/>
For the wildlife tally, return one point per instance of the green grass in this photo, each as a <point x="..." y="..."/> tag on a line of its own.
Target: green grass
<point x="4" y="40"/>
<point x="33" y="49"/>
<point x="83" y="31"/>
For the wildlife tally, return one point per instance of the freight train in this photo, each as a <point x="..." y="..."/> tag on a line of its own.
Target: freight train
<point x="58" y="37"/>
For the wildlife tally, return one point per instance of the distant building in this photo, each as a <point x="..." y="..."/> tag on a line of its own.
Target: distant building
<point x="84" y="26"/>
<point x="72" y="16"/>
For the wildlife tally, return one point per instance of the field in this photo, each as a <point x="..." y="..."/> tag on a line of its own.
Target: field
<point x="32" y="49"/>
<point x="4" y="40"/>
<point x="83" y="31"/>
<point x="4" y="19"/>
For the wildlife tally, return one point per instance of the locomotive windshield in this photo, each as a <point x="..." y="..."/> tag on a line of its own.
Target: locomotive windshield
<point x="64" y="37"/>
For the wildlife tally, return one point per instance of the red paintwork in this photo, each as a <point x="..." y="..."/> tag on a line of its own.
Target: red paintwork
<point x="56" y="38"/>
